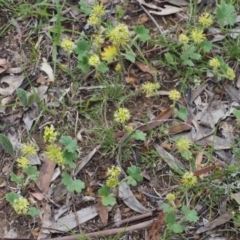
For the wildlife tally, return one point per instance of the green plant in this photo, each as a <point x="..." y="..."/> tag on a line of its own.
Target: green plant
<point x="175" y="218"/>
<point x="21" y="205"/>
<point x="106" y="191"/>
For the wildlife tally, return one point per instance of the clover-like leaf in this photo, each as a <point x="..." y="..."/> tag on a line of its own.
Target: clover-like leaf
<point x="69" y="143"/>
<point x="130" y="56"/>
<point x="32" y="173"/>
<point x="72" y="185"/>
<point x="33" y="212"/>
<point x="190" y="215"/>
<point x="166" y="208"/>
<point x="15" y="178"/>
<point x="109" y="200"/>
<point x="139" y="135"/>
<point x="131" y="181"/>
<point x="142" y="33"/>
<point x="104" y="191"/>
<point x="7" y="145"/>
<point x="135" y="173"/>
<point x="11" y="197"/>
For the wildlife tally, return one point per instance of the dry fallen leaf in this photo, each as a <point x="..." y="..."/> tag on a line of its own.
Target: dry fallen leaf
<point x="4" y="65"/>
<point x="48" y="70"/>
<point x="131" y="80"/>
<point x="13" y="83"/>
<point x="142" y="18"/>
<point x="103" y="212"/>
<point x="146" y="68"/>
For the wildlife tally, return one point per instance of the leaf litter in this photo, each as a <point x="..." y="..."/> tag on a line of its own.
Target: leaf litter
<point x="207" y="121"/>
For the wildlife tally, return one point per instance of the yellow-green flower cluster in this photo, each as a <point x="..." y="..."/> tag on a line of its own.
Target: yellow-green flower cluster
<point x="214" y="62"/>
<point x="54" y="153"/>
<point x="118" y="67"/>
<point x="97" y="12"/>
<point x="183" y="38"/>
<point x="23" y="162"/>
<point x="170" y="197"/>
<point x="189" y="179"/>
<point x="230" y="74"/>
<point x="21" y="206"/>
<point x="150" y="88"/>
<point x="122" y="115"/>
<point x="174" y="95"/>
<point x="119" y="35"/>
<point x="113" y="174"/>
<point x="205" y="20"/>
<point x="50" y="134"/>
<point x="28" y="149"/>
<point x="94" y="60"/>
<point x="183" y="144"/>
<point x="109" y="53"/>
<point x="67" y="45"/>
<point x="197" y="35"/>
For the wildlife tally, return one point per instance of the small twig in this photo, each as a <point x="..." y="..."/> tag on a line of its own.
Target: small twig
<point x="109" y="232"/>
<point x="151" y="17"/>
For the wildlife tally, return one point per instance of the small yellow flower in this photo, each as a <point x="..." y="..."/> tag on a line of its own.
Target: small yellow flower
<point x="50" y="135"/>
<point x="114" y="171"/>
<point x="128" y="128"/>
<point x="94" y="20"/>
<point x="109" y="53"/>
<point x="94" y="60"/>
<point x="98" y="9"/>
<point x="118" y="67"/>
<point x="119" y="35"/>
<point x="214" y="62"/>
<point x="150" y="88"/>
<point x="170" y="197"/>
<point x="197" y="35"/>
<point x="21" y="206"/>
<point x="54" y="153"/>
<point x="205" y="20"/>
<point x="174" y="95"/>
<point x="112" y="182"/>
<point x="230" y="73"/>
<point x="183" y="144"/>
<point x="28" y="149"/>
<point x="23" y="162"/>
<point x="122" y="115"/>
<point x="67" y="45"/>
<point x="183" y="38"/>
<point x="97" y="40"/>
<point x="189" y="179"/>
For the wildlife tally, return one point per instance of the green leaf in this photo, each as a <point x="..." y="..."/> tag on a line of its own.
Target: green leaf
<point x="188" y="63"/>
<point x="109" y="200"/>
<point x="186" y="154"/>
<point x="69" y="158"/>
<point x="182" y="113"/>
<point x="83" y="46"/>
<point x="170" y="218"/>
<point x="206" y="45"/>
<point x="33" y="211"/>
<point x="6" y="144"/>
<point x="32" y="173"/>
<point x="176" y="227"/>
<point x="225" y="12"/>
<point x="139" y="135"/>
<point x="83" y="64"/>
<point x="72" y="185"/>
<point x="190" y="215"/>
<point x="15" y="178"/>
<point x="130" y="56"/>
<point x="102" y="67"/>
<point x="120" y="12"/>
<point x="131" y="181"/>
<point x="11" y="197"/>
<point x="104" y="191"/>
<point x="22" y="95"/>
<point x="167" y="208"/>
<point x="31" y="99"/>
<point x="170" y="58"/>
<point x="236" y="113"/>
<point x="142" y="33"/>
<point x="69" y="143"/>
<point x="135" y="173"/>
<point x="84" y="7"/>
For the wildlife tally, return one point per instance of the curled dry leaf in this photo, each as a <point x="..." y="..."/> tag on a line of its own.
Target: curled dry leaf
<point x="4" y="65"/>
<point x="13" y="83"/>
<point x="146" y="68"/>
<point x="48" y="70"/>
